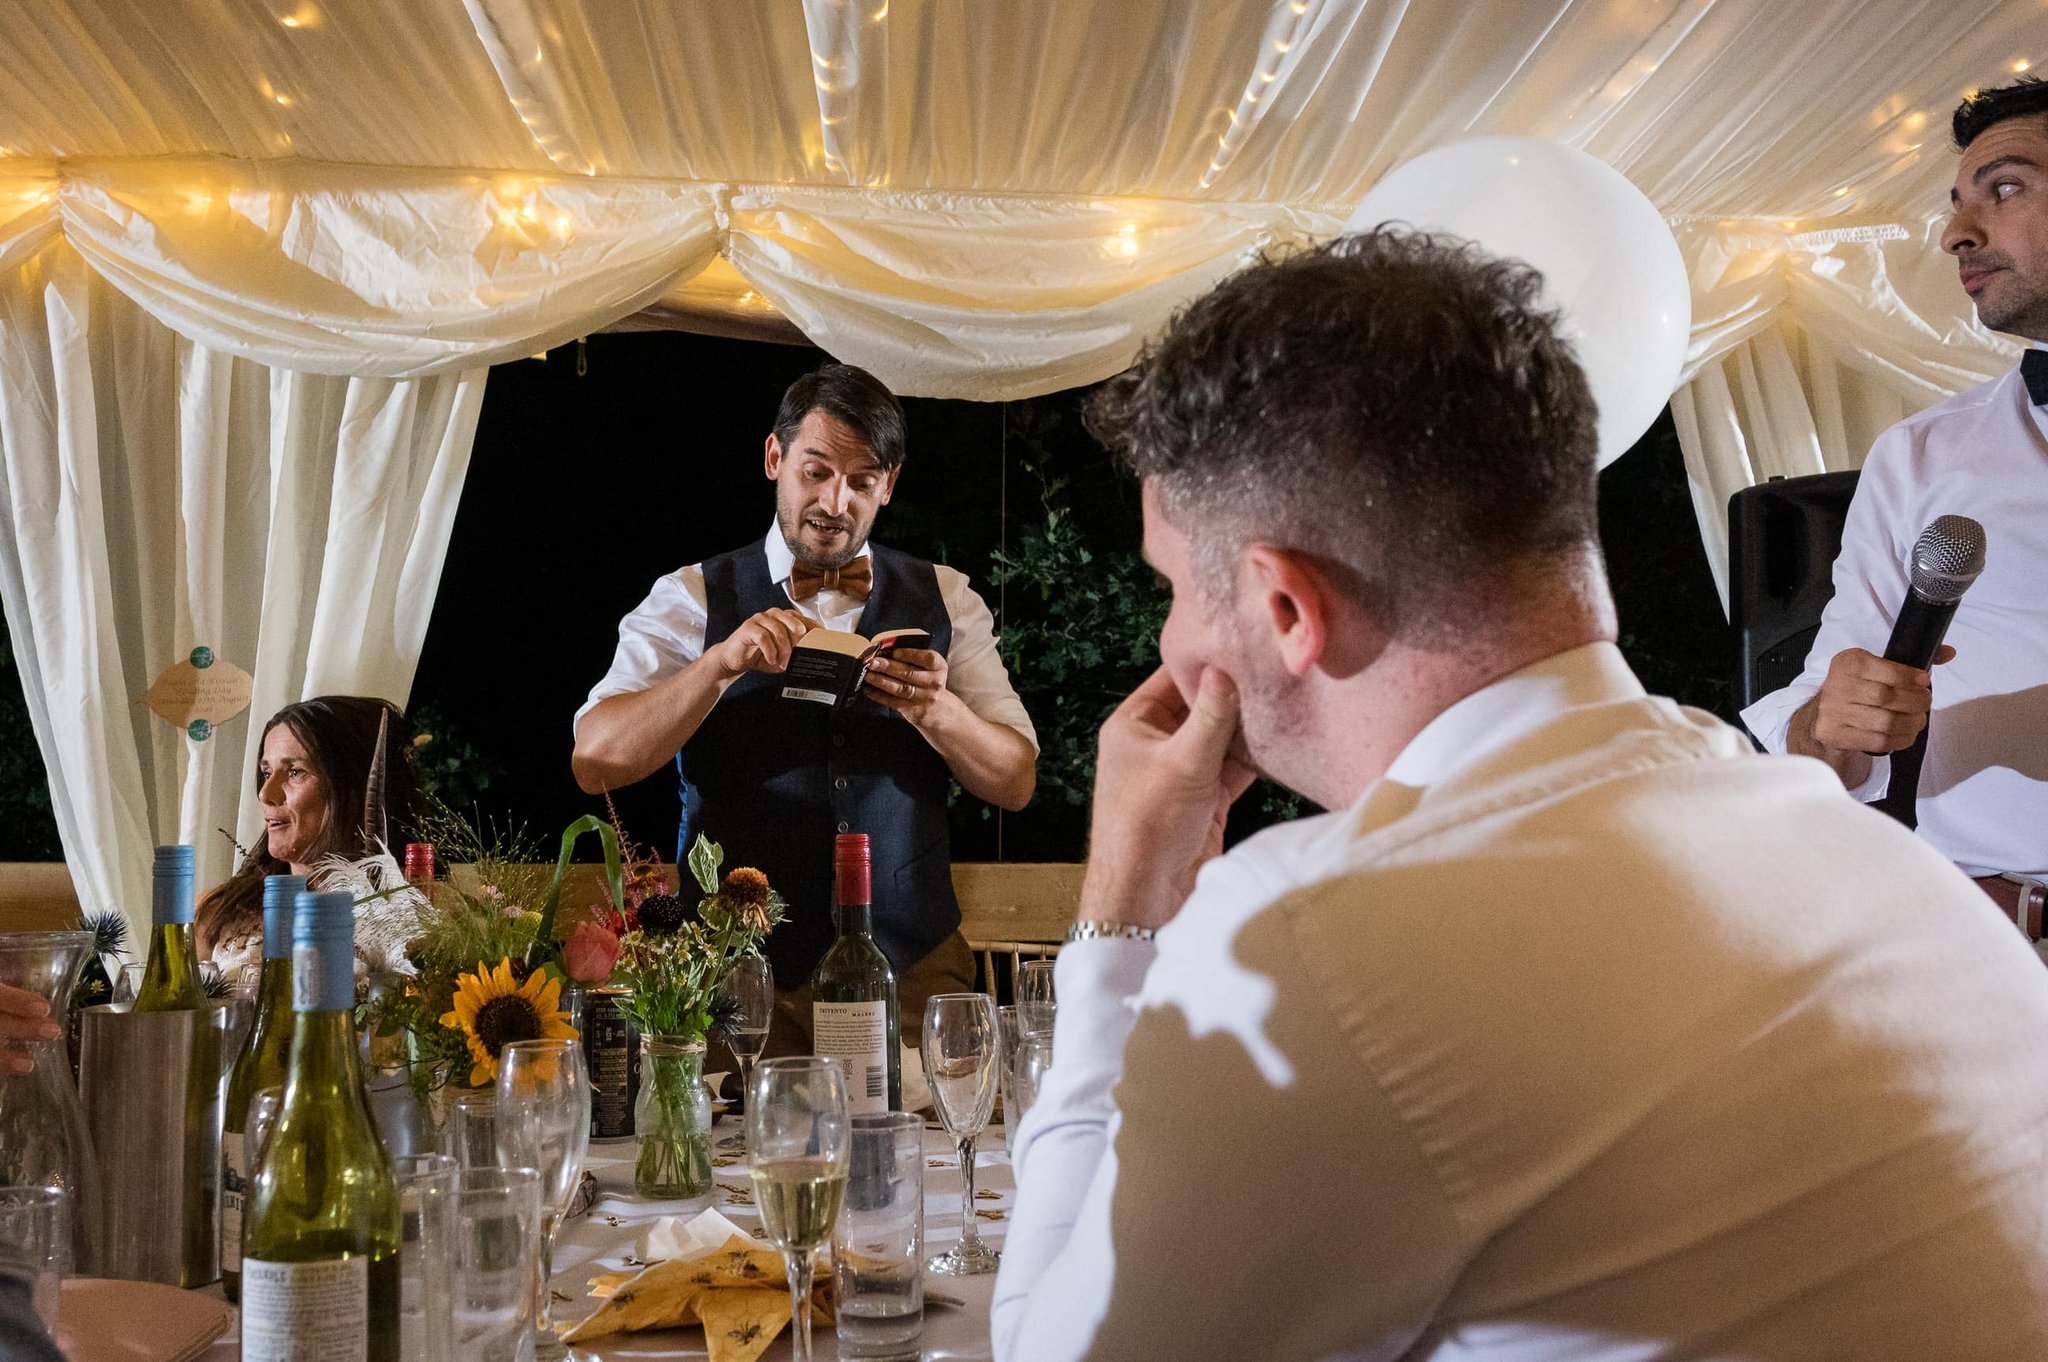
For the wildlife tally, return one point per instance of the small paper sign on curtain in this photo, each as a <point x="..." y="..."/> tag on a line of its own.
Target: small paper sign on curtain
<point x="199" y="693"/>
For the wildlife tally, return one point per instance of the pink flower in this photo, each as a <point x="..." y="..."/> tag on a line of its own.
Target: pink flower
<point x="589" y="953"/>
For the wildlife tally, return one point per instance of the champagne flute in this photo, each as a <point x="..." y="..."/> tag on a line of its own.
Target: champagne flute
<point x="544" y="1124"/>
<point x="751" y="986"/>
<point x="960" y="1063"/>
<point x="799" y="1141"/>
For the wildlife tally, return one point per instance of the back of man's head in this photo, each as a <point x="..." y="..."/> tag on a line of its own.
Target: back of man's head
<point x="851" y="396"/>
<point x="2026" y="97"/>
<point x="1398" y="404"/>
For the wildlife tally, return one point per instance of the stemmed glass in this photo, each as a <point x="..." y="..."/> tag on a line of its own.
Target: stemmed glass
<point x="799" y="1141"/>
<point x="960" y="1059"/>
<point x="544" y="1123"/>
<point x="751" y="986"/>
<point x="1035" y="999"/>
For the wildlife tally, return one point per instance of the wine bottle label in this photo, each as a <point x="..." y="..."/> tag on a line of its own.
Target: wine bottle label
<point x="306" y="1312"/>
<point x="857" y="1035"/>
<point x="234" y="1176"/>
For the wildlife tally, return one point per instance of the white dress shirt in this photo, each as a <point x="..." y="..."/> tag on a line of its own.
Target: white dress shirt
<point x="1587" y="1034"/>
<point x="665" y="633"/>
<point x="1983" y="799"/>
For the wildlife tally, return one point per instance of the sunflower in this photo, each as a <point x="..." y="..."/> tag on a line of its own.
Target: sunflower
<point x="492" y="1010"/>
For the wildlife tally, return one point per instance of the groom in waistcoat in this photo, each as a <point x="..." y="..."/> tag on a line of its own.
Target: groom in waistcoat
<point x="697" y="679"/>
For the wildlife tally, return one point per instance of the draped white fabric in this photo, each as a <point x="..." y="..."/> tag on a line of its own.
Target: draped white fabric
<point x="972" y="199"/>
<point x="159" y="495"/>
<point x="984" y="200"/>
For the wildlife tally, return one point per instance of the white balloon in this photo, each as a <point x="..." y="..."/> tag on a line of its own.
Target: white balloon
<point x="1608" y="260"/>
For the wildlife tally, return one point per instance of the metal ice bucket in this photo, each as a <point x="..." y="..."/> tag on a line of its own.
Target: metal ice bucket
<point x="153" y="1084"/>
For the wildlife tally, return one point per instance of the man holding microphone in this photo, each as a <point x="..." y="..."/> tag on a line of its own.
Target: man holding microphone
<point x="1983" y="790"/>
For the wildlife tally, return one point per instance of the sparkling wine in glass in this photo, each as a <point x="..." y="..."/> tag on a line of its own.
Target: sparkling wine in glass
<point x="544" y="1124"/>
<point x="961" y="1053"/>
<point x="799" y="1139"/>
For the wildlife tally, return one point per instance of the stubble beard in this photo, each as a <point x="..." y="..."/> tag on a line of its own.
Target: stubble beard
<point x="2022" y="312"/>
<point x="791" y="523"/>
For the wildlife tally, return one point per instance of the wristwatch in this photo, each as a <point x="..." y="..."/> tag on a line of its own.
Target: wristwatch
<point x="1102" y="929"/>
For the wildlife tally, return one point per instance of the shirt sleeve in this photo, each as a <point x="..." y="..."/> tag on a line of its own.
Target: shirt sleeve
<point x="974" y="666"/>
<point x="1206" y="1174"/>
<point x="1870" y="582"/>
<point x="663" y="635"/>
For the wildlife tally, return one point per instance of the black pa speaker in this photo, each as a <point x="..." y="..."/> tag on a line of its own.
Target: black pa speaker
<point x="1783" y="536"/>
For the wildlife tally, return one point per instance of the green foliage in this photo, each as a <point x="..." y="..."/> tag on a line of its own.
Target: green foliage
<point x="675" y="976"/>
<point x="450" y="769"/>
<point x="1081" y="631"/>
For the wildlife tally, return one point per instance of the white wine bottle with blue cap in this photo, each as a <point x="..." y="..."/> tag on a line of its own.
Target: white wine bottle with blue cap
<point x="170" y="981"/>
<point x="320" y="1222"/>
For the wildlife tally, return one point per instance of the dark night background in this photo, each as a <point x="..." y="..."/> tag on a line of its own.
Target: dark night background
<point x="584" y="487"/>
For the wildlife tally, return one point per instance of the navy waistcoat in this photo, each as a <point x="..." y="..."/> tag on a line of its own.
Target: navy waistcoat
<point x="773" y="780"/>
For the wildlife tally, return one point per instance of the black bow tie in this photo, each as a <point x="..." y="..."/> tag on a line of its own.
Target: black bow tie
<point x="2034" y="369"/>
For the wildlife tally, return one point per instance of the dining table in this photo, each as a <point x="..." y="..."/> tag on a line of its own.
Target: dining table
<point x="604" y="1238"/>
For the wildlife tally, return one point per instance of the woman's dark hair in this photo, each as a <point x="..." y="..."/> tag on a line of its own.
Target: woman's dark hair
<point x="853" y="397"/>
<point x="2024" y="98"/>
<point x="339" y="733"/>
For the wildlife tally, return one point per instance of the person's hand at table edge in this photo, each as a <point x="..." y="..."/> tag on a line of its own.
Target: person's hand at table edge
<point x="23" y="1016"/>
<point x="1166" y="773"/>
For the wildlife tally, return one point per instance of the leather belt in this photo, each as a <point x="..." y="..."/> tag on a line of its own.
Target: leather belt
<point x="2019" y="899"/>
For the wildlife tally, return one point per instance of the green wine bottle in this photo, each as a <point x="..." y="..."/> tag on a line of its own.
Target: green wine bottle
<point x="853" y="991"/>
<point x="170" y="981"/>
<point x="261" y="1065"/>
<point x="320" y="1218"/>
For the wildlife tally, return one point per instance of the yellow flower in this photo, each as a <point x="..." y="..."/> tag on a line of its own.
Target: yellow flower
<point x="492" y="1011"/>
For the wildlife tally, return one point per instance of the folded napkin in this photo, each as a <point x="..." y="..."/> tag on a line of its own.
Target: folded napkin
<point x="102" y="1320"/>
<point x="737" y="1290"/>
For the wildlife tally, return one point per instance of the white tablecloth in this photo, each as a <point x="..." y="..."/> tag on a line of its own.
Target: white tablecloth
<point x="598" y="1242"/>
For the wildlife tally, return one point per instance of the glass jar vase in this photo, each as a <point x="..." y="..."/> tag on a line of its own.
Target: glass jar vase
<point x="672" y="1117"/>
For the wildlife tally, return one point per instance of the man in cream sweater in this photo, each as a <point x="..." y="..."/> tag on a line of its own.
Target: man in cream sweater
<point x="1576" y="1031"/>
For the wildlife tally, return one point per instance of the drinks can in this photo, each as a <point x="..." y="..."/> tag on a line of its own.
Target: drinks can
<point x="611" y="1051"/>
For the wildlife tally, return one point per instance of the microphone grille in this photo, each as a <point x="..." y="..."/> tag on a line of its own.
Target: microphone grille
<point x="1947" y="558"/>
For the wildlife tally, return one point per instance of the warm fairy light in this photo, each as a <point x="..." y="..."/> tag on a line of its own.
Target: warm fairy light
<point x="197" y="201"/>
<point x="2021" y="64"/>
<point x="880" y="14"/>
<point x="562" y="224"/>
<point x="305" y="16"/>
<point x="1790" y="225"/>
<point x="1915" y="120"/>
<point x="1843" y="192"/>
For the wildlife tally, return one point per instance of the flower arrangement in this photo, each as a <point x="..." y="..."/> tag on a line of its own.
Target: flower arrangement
<point x="674" y="959"/>
<point x="484" y="968"/>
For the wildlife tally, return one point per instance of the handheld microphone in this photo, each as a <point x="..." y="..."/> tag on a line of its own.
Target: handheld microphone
<point x="1946" y="558"/>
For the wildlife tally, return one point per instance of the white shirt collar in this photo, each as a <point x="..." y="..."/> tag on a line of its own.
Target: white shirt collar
<point x="1495" y="715"/>
<point x="781" y="561"/>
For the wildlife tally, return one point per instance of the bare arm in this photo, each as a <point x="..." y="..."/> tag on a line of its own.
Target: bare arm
<point x="1864" y="707"/>
<point x="626" y="738"/>
<point x="991" y="761"/>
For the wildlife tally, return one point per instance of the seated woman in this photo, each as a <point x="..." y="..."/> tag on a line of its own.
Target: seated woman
<point x="312" y="775"/>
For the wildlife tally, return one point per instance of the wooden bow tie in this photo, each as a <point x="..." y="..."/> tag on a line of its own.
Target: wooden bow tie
<point x="854" y="580"/>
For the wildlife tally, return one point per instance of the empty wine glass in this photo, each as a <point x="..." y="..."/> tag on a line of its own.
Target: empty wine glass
<point x="751" y="986"/>
<point x="799" y="1140"/>
<point x="264" y="1105"/>
<point x="960" y="1056"/>
<point x="1035" y="998"/>
<point x="544" y="1123"/>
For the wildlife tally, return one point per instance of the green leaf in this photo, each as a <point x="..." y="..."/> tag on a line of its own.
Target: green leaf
<point x="544" y="936"/>
<point x="705" y="858"/>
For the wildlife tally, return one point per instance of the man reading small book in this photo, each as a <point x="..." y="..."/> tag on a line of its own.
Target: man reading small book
<point x="698" y="679"/>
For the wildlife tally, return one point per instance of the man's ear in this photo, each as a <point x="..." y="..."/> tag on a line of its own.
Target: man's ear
<point x="1289" y="595"/>
<point x="771" y="456"/>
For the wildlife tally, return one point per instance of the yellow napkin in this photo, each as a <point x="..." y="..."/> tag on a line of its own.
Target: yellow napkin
<point x="740" y="1294"/>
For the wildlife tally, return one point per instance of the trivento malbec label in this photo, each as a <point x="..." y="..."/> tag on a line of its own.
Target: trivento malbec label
<point x="234" y="1179"/>
<point x="306" y="1312"/>
<point x="857" y="1035"/>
